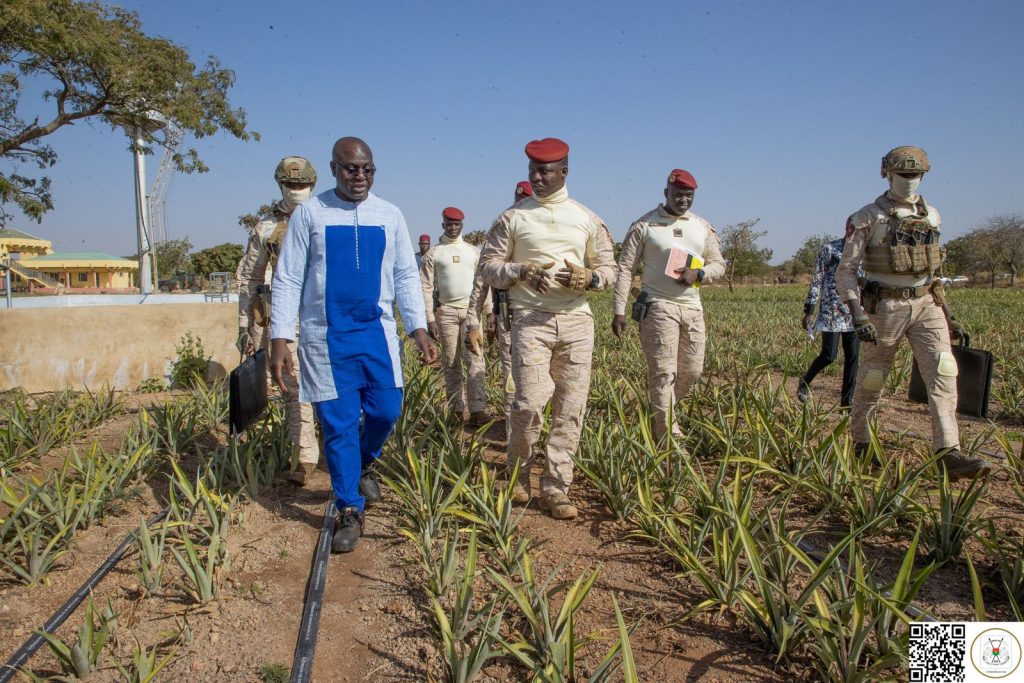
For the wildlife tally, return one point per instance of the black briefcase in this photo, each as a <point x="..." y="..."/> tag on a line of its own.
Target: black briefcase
<point x="973" y="380"/>
<point x="248" y="391"/>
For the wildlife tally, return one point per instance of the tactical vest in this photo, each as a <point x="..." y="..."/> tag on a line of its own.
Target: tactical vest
<point x="275" y="240"/>
<point x="911" y="246"/>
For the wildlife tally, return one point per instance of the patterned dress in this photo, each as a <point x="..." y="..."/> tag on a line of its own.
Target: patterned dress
<point x="833" y="316"/>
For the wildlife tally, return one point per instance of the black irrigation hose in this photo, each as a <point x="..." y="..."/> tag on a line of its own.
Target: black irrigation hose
<point x="909" y="610"/>
<point x="309" y="627"/>
<point x="25" y="652"/>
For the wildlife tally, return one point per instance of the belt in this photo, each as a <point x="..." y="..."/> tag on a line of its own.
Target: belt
<point x="903" y="292"/>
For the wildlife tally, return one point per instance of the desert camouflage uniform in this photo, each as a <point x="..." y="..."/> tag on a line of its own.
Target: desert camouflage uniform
<point x="450" y="267"/>
<point x="553" y="332"/>
<point x="254" y="274"/>
<point x="917" y="317"/>
<point x="503" y="339"/>
<point x="672" y="333"/>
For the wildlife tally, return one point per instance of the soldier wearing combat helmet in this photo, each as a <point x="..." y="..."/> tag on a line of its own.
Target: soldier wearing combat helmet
<point x="295" y="177"/>
<point x="896" y="241"/>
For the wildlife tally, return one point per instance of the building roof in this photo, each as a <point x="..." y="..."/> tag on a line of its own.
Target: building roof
<point x="80" y="259"/>
<point x="11" y="234"/>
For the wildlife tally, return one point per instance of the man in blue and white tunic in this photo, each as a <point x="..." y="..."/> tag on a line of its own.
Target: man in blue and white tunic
<point x="345" y="261"/>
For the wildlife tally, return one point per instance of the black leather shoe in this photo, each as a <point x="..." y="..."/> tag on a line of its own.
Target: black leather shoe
<point x="347" y="530"/>
<point x="369" y="488"/>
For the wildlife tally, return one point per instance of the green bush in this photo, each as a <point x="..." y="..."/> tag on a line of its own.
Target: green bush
<point x="189" y="368"/>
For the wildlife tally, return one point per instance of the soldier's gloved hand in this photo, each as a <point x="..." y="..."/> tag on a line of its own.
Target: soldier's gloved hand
<point x="492" y="327"/>
<point x="244" y="344"/>
<point x="866" y="332"/>
<point x="536" y="275"/>
<point x="618" y="325"/>
<point x="475" y="341"/>
<point x="573" y="276"/>
<point x="956" y="329"/>
<point x="433" y="330"/>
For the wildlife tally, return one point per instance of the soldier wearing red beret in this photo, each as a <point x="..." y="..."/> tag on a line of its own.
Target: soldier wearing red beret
<point x="548" y="250"/>
<point x="679" y="250"/>
<point x="424" y="248"/>
<point x="447" y="275"/>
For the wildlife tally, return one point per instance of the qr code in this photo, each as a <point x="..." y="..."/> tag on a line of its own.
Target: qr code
<point x="937" y="653"/>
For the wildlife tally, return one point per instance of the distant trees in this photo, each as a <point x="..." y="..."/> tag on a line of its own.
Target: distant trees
<point x="172" y="256"/>
<point x="86" y="60"/>
<point x="803" y="260"/>
<point x="742" y="254"/>
<point x="249" y="220"/>
<point x="994" y="247"/>
<point x="221" y="258"/>
<point x="475" y="237"/>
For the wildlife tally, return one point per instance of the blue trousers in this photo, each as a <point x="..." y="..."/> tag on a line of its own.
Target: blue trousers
<point x="348" y="446"/>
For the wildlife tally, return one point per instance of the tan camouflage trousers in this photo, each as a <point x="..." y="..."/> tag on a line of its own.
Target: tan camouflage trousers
<point x="301" y="424"/>
<point x="551" y="357"/>
<point x="673" y="340"/>
<point x="924" y="325"/>
<point x="452" y="325"/>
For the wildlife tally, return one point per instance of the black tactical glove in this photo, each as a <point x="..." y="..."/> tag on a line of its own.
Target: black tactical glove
<point x="866" y="332"/>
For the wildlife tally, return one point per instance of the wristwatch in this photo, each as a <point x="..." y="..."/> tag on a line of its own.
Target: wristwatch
<point x="700" y="275"/>
<point x="595" y="281"/>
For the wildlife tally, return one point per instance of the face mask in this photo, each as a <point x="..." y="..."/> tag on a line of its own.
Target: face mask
<point x="291" y="198"/>
<point x="904" y="188"/>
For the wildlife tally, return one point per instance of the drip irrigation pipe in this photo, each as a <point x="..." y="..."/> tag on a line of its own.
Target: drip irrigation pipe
<point x="309" y="627"/>
<point x="29" y="648"/>
<point x="909" y="610"/>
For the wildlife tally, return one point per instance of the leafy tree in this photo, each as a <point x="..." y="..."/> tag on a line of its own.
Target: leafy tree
<point x="476" y="237"/>
<point x="807" y="254"/>
<point x="94" y="61"/>
<point x="172" y="255"/>
<point x="740" y="250"/>
<point x="219" y="259"/>
<point x="995" y="246"/>
<point x="249" y="220"/>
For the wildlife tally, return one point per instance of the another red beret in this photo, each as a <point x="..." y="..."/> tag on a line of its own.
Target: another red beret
<point x="452" y="214"/>
<point x="424" y="237"/>
<point x="547" y="150"/>
<point x="681" y="178"/>
<point x="524" y="189"/>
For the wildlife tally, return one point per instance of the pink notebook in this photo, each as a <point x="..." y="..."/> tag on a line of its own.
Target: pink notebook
<point x="682" y="258"/>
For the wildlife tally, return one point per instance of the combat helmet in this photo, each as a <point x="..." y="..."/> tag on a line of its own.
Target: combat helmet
<point x="295" y="170"/>
<point x="906" y="159"/>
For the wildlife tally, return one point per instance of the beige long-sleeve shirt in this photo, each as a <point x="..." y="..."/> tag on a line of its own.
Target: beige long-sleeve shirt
<point x="650" y="240"/>
<point x="552" y="229"/>
<point x="449" y="267"/>
<point x="871" y="226"/>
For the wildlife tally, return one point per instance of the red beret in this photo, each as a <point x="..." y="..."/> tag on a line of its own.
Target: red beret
<point x="524" y="189"/>
<point x="424" y="237"/>
<point x="681" y="178"/>
<point x="547" y="150"/>
<point x="452" y="214"/>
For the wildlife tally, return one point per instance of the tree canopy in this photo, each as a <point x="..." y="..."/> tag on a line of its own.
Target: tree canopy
<point x="994" y="247"/>
<point x="740" y="250"/>
<point x="223" y="258"/>
<point x="172" y="256"/>
<point x="250" y="220"/>
<point x="93" y="60"/>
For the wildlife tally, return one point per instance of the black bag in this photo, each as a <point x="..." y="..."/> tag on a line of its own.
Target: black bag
<point x="248" y="387"/>
<point x="973" y="380"/>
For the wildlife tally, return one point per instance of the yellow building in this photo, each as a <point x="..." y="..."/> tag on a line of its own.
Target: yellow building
<point x="86" y="269"/>
<point x="17" y="245"/>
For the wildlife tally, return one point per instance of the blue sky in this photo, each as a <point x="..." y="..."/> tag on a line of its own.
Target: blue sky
<point x="782" y="111"/>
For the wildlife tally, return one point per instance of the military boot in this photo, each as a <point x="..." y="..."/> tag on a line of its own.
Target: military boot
<point x="369" y="488"/>
<point x="347" y="531"/>
<point x="479" y="417"/>
<point x="959" y="466"/>
<point x="558" y="505"/>
<point x="301" y="475"/>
